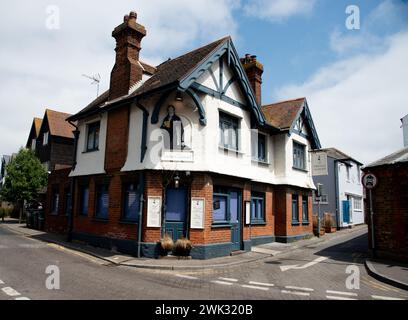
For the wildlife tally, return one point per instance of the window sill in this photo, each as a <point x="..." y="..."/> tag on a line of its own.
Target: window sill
<point x="300" y="169"/>
<point x="238" y="152"/>
<point x="295" y="223"/>
<point x="258" y="223"/>
<point x="265" y="163"/>
<point x="306" y="223"/>
<point x="90" y="151"/>
<point x="104" y="220"/>
<point x="54" y="214"/>
<point x="220" y="225"/>
<point x="123" y="221"/>
<point x="82" y="215"/>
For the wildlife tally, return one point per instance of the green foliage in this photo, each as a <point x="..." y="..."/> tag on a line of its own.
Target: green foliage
<point x="25" y="177"/>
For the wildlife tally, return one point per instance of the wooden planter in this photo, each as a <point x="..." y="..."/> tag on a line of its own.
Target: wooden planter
<point x="330" y="229"/>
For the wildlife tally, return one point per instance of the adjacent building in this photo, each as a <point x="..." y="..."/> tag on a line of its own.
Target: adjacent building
<point x="343" y="193"/>
<point x="186" y="148"/>
<point x="51" y="139"/>
<point x="388" y="237"/>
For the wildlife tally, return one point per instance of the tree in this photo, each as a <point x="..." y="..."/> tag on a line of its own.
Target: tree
<point x="25" y="177"/>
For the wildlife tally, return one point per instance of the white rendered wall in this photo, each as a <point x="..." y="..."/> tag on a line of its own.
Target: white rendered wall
<point x="91" y="162"/>
<point x="353" y="188"/>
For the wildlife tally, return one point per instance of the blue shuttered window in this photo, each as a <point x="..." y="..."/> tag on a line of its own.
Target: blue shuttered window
<point x="131" y="202"/>
<point x="102" y="201"/>
<point x="258" y="207"/>
<point x="305" y="209"/>
<point x="220" y="207"/>
<point x="295" y="209"/>
<point x="84" y="200"/>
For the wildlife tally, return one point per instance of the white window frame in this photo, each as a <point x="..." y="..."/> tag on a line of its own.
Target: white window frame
<point x="33" y="144"/>
<point x="45" y="138"/>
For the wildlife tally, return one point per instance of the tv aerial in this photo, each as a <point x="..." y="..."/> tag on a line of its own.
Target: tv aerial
<point x="96" y="79"/>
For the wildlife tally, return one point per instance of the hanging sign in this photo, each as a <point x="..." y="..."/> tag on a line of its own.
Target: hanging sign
<point x="319" y="164"/>
<point x="154" y="212"/>
<point x="197" y="213"/>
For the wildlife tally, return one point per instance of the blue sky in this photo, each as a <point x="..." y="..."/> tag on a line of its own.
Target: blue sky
<point x="354" y="80"/>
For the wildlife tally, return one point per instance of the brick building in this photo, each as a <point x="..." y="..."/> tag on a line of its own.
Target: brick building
<point x="389" y="206"/>
<point x="187" y="149"/>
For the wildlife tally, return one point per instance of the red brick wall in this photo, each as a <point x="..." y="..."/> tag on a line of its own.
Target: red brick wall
<point x="283" y="207"/>
<point x="113" y="227"/>
<point x="59" y="181"/>
<point x="259" y="230"/>
<point x="390" y="207"/>
<point x="117" y="139"/>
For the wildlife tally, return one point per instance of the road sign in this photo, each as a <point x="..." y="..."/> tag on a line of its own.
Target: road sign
<point x="319" y="164"/>
<point x="369" y="181"/>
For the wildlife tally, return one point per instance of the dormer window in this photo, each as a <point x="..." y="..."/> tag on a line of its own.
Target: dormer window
<point x="92" y="143"/>
<point x="45" y="138"/>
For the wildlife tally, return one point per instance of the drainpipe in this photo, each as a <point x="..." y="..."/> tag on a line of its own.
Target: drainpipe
<point x="140" y="225"/>
<point x="72" y="187"/>
<point x="336" y="192"/>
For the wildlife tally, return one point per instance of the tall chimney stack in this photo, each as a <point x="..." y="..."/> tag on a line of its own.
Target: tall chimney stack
<point x="254" y="71"/>
<point x="127" y="69"/>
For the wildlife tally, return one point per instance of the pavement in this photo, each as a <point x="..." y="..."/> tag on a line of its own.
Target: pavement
<point x="174" y="263"/>
<point x="391" y="272"/>
<point x="319" y="270"/>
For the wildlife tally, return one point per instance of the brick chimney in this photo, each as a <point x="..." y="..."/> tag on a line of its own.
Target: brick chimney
<point x="254" y="70"/>
<point x="127" y="69"/>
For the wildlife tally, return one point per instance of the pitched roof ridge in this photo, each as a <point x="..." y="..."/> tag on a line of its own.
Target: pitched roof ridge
<point x="60" y="112"/>
<point x="284" y="101"/>
<point x="196" y="49"/>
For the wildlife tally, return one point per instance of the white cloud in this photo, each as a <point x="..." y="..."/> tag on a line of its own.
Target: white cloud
<point x="357" y="103"/>
<point x="42" y="68"/>
<point x="276" y="10"/>
<point x="368" y="39"/>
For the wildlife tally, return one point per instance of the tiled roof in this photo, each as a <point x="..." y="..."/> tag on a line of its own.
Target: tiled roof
<point x="173" y="70"/>
<point x="166" y="73"/>
<point x="37" y="125"/>
<point x="282" y="114"/>
<point x="396" y="157"/>
<point x="58" y="124"/>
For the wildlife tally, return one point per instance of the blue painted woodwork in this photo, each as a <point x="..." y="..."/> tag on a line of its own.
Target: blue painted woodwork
<point x="176" y="212"/>
<point x="346" y="211"/>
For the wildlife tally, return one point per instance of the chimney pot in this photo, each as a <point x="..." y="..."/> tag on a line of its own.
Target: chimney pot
<point x="133" y="15"/>
<point x="126" y="18"/>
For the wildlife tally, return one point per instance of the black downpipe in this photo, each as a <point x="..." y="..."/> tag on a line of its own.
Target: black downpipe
<point x="72" y="187"/>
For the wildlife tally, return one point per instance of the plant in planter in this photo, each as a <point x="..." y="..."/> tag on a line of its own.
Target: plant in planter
<point x="166" y="244"/>
<point x="183" y="247"/>
<point x="330" y="225"/>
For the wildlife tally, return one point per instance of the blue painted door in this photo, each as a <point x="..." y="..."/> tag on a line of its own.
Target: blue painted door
<point x="346" y="211"/>
<point x="176" y="212"/>
<point x="235" y="219"/>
